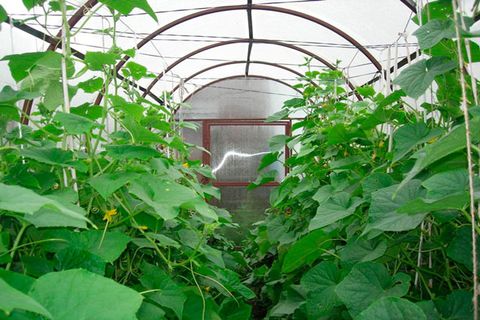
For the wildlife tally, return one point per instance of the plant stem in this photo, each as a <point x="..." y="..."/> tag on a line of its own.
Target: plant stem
<point x="15" y="244"/>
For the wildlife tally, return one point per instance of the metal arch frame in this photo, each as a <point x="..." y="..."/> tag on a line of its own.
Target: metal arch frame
<point x="239" y="77"/>
<point x="228" y="63"/>
<point x="89" y="4"/>
<point x="229" y="42"/>
<point x="247" y="7"/>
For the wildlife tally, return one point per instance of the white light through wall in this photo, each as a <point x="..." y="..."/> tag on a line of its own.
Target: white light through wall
<point x="232" y="153"/>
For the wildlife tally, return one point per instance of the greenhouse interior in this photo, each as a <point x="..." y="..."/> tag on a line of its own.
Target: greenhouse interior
<point x="237" y="160"/>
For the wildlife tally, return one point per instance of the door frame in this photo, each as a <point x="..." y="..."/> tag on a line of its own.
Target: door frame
<point x="206" y="136"/>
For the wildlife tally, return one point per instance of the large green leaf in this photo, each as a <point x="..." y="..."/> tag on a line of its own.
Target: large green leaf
<point x="139" y="133"/>
<point x="54" y="156"/>
<point x="446" y="183"/>
<point x="21" y="200"/>
<point x="411" y="135"/>
<point x="49" y="216"/>
<point x="416" y="79"/>
<point x="21" y="64"/>
<point x="362" y="250"/>
<point x="98" y="60"/>
<point x="108" y="183"/>
<point x="383" y="213"/>
<point x="433" y="32"/>
<point x="108" y="246"/>
<point x="320" y="283"/>
<point x="164" y="196"/>
<point x="457" y="306"/>
<point x="369" y="282"/>
<point x="306" y="250"/>
<point x="454" y="141"/>
<point x="125" y="7"/>
<point x="392" y="308"/>
<point x="167" y="293"/>
<point x="85" y="295"/>
<point x="73" y="123"/>
<point x="460" y="248"/>
<point x="126" y="152"/>
<point x="336" y="208"/>
<point x="11" y="298"/>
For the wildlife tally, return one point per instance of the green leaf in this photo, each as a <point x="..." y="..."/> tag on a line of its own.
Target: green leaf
<point x="290" y="300"/>
<point x="3" y="14"/>
<point x="18" y="281"/>
<point x="267" y="160"/>
<point x="306" y="250"/>
<point x="108" y="249"/>
<point x="163" y="241"/>
<point x="139" y="133"/>
<point x="107" y="184"/>
<point x="320" y="283"/>
<point x="125" y="7"/>
<point x="278" y="142"/>
<point x="392" y="308"/>
<point x="131" y="110"/>
<point x="164" y="196"/>
<point x="49" y="216"/>
<point x="96" y="61"/>
<point x="150" y="311"/>
<point x="235" y="310"/>
<point x="29" y="4"/>
<point x="92" y="85"/>
<point x="454" y="141"/>
<point x="366" y="91"/>
<point x="457" y="306"/>
<point x="363" y="250"/>
<point x="336" y="208"/>
<point x="74" y="124"/>
<point x="263" y="178"/>
<point x="85" y="295"/>
<point x="127" y="152"/>
<point x="135" y="70"/>
<point x="383" y="213"/>
<point x="446" y="183"/>
<point x="460" y="247"/>
<point x="369" y="282"/>
<point x="167" y="293"/>
<point x="89" y="111"/>
<point x="434" y="31"/>
<point x="224" y="280"/>
<point x="418" y="77"/>
<point x="280" y="115"/>
<point x="411" y="135"/>
<point x="21" y="65"/>
<point x="22" y="200"/>
<point x="11" y="298"/>
<point x="53" y="156"/>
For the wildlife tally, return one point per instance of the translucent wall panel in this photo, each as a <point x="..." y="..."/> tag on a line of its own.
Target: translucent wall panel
<point x="251" y="140"/>
<point x="249" y="98"/>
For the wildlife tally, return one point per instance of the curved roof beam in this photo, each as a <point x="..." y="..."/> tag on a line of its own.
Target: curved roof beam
<point x="286" y="11"/>
<point x="244" y="77"/>
<point x="228" y="63"/>
<point x="229" y="42"/>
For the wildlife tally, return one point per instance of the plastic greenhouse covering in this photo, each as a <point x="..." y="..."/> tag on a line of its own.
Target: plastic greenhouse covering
<point x="237" y="160"/>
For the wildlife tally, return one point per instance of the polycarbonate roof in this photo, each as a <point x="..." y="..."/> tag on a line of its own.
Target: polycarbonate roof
<point x="360" y="36"/>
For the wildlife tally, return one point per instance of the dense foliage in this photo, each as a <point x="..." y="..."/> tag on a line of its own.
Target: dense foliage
<point x="103" y="215"/>
<point x="372" y="221"/>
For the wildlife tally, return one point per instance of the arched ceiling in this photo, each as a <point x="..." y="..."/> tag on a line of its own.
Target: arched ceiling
<point x="356" y="36"/>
